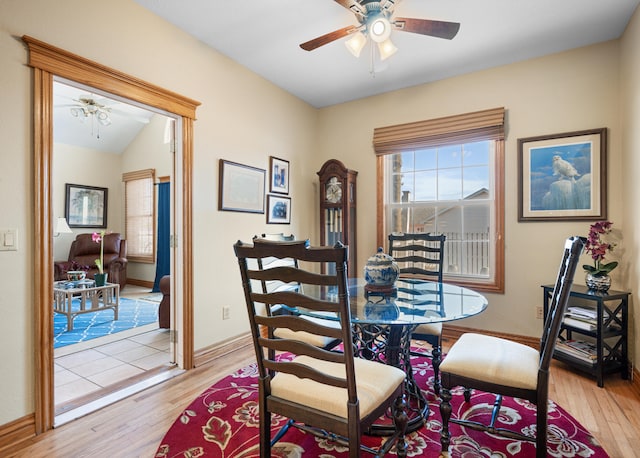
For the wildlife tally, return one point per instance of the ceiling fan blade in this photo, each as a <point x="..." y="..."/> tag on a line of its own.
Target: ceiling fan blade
<point x="439" y="29"/>
<point x="328" y="38"/>
<point x="355" y="7"/>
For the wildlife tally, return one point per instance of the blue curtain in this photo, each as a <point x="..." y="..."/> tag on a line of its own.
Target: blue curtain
<point x="163" y="259"/>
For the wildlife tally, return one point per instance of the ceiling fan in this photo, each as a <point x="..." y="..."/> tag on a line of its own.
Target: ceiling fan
<point x="375" y="18"/>
<point x="87" y="106"/>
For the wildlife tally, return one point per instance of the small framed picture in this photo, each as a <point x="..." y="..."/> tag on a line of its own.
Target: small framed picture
<point x="86" y="206"/>
<point x="279" y="175"/>
<point x="563" y="177"/>
<point x="278" y="210"/>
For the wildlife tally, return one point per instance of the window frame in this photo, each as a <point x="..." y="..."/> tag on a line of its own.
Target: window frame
<point x="395" y="139"/>
<point x="146" y="174"/>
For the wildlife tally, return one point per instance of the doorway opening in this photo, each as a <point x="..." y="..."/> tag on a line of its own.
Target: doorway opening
<point x="49" y="62"/>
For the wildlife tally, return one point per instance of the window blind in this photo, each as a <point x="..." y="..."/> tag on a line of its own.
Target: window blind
<point x="140" y="214"/>
<point x="457" y="129"/>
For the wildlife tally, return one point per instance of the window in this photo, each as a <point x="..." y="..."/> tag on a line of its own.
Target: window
<point x="446" y="176"/>
<point x="139" y="197"/>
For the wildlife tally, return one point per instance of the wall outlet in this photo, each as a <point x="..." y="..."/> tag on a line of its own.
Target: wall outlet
<point x="539" y="313"/>
<point x="226" y="312"/>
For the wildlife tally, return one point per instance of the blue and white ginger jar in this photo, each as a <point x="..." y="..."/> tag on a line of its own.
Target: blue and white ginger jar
<point x="381" y="269"/>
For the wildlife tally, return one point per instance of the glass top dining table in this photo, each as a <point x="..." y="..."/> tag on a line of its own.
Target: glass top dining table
<point x="413" y="302"/>
<point x="383" y="322"/>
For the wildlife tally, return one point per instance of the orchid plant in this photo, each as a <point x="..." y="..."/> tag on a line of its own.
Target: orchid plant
<point x="98" y="237"/>
<point x="598" y="247"/>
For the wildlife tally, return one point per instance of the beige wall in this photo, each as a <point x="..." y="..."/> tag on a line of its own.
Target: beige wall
<point x="75" y="165"/>
<point x="245" y="119"/>
<point x="630" y="115"/>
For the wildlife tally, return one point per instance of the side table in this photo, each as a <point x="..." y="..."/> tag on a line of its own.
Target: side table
<point x="609" y="333"/>
<point x="90" y="298"/>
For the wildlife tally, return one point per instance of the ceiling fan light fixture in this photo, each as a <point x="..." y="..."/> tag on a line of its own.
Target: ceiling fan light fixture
<point x="356" y="43"/>
<point x="387" y="49"/>
<point x="103" y="118"/>
<point x="379" y="29"/>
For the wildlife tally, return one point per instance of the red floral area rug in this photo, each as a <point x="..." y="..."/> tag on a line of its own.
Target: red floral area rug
<point x="223" y="422"/>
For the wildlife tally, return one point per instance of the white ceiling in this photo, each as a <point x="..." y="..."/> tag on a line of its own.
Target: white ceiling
<point x="126" y="120"/>
<point x="263" y="35"/>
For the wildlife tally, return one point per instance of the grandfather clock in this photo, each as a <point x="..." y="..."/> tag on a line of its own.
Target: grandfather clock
<point x="338" y="208"/>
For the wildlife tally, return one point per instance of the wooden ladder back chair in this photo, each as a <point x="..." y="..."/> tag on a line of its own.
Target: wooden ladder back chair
<point x="422" y="254"/>
<point x="316" y="389"/>
<point x="276" y="285"/>
<point x="508" y="368"/>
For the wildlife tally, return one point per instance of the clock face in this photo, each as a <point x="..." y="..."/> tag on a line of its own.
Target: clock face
<point x="333" y="190"/>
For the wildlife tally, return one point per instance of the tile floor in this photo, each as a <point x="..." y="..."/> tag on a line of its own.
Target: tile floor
<point x="90" y="366"/>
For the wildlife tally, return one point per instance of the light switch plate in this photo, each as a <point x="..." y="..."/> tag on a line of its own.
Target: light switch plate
<point x="8" y="239"/>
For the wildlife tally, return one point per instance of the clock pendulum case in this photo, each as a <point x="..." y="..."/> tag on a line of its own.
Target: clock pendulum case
<point x="338" y="208"/>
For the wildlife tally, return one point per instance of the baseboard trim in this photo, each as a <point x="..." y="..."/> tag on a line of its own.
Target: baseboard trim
<point x="208" y="354"/>
<point x="13" y="435"/>
<point x="453" y="333"/>
<point x="136" y="282"/>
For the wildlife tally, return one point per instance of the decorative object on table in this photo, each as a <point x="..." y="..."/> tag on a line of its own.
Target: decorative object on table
<point x="338" y="208"/>
<point x="279" y="182"/>
<point x="76" y="275"/>
<point x="563" y="177"/>
<point x="278" y="210"/>
<point x="101" y="277"/>
<point x="221" y="421"/>
<point x="86" y="206"/>
<point x="597" y="277"/>
<point x="384" y="310"/>
<point x="240" y="188"/>
<point x="381" y="273"/>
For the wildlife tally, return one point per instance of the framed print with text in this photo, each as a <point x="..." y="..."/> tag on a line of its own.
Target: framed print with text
<point x="85" y="206"/>
<point x="240" y="188"/>
<point x="563" y="177"/>
<point x="279" y="182"/>
<point x="278" y="210"/>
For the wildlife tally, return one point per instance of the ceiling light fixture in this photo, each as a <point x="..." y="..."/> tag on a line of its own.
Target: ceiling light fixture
<point x="89" y="108"/>
<point x="378" y="28"/>
<point x="356" y="43"/>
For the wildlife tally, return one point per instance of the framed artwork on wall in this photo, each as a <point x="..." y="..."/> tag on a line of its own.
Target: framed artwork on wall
<point x="86" y="206"/>
<point x="563" y="177"/>
<point x="240" y="188"/>
<point x="278" y="210"/>
<point x="279" y="180"/>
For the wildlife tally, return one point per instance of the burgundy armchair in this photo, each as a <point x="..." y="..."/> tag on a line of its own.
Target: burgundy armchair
<point x="84" y="252"/>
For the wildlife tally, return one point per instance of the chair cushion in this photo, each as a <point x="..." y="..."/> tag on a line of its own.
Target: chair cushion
<point x="493" y="360"/>
<point x="433" y="329"/>
<point x="375" y="383"/>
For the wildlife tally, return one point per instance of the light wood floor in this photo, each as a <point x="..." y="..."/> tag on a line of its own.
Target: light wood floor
<point x="135" y="426"/>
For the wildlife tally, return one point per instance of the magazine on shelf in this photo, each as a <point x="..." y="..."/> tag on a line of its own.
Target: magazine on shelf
<point x="588" y="348"/>
<point x="580" y="324"/>
<point x="584" y="351"/>
<point x="583" y="312"/>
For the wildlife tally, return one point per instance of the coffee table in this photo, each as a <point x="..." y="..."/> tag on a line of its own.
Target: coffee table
<point x="91" y="298"/>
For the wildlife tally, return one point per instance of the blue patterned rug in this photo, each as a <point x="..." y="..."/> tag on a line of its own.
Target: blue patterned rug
<point x="131" y="314"/>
